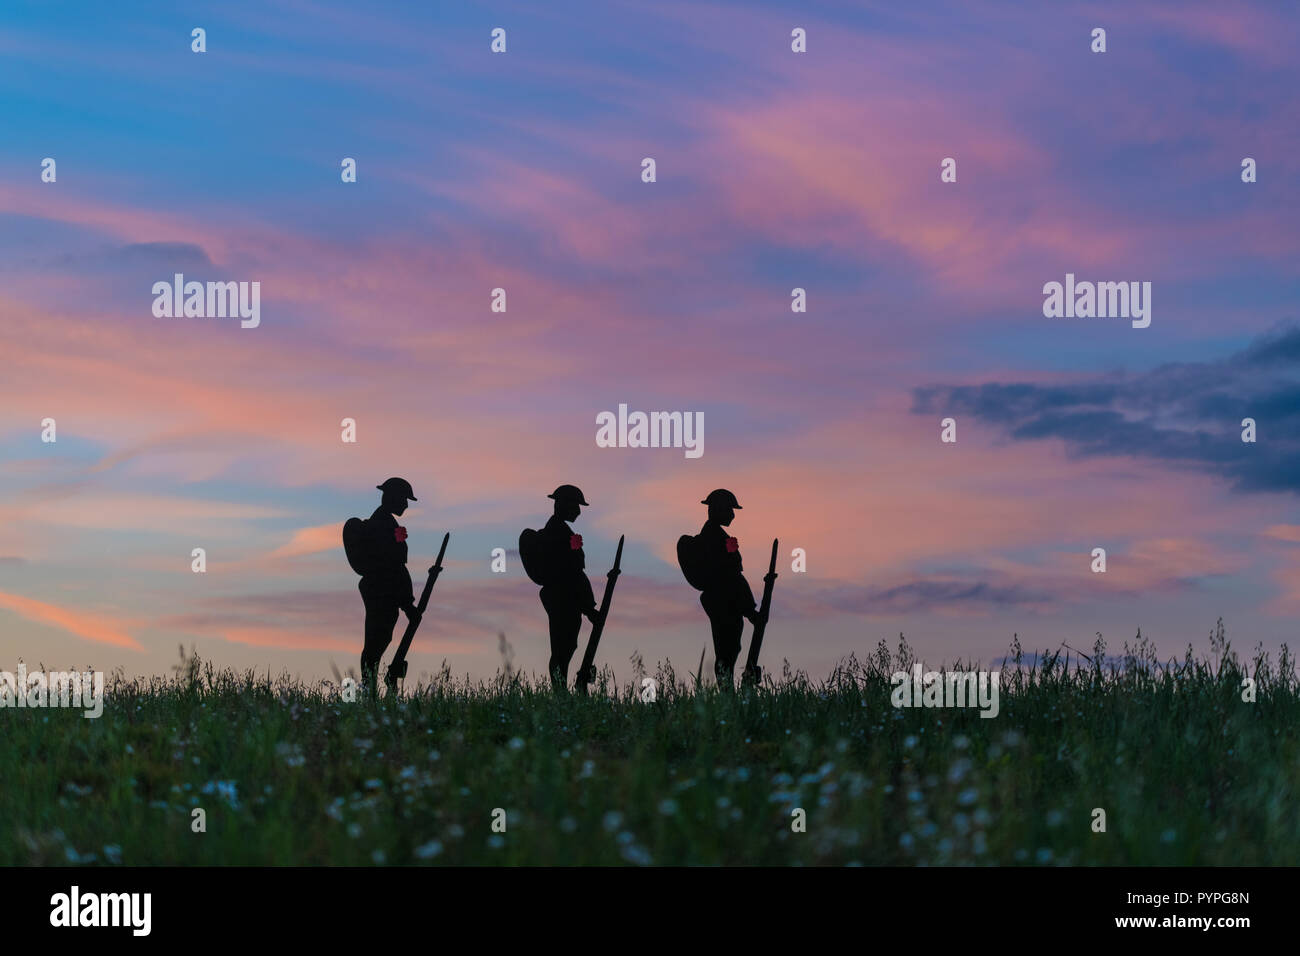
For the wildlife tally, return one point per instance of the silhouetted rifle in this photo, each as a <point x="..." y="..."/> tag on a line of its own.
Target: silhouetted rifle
<point x="587" y="672"/>
<point x="753" y="673"/>
<point x="397" y="669"/>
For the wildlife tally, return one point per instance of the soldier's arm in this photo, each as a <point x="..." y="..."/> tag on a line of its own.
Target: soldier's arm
<point x="713" y="568"/>
<point x="394" y="570"/>
<point x="578" y="582"/>
<point x="408" y="587"/>
<point x="588" y="596"/>
<point x="744" y="593"/>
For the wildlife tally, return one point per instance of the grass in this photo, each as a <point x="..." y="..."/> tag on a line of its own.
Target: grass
<point x="288" y="773"/>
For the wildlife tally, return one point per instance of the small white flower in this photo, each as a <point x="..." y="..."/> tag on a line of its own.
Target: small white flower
<point x="636" y="854"/>
<point x="428" y="850"/>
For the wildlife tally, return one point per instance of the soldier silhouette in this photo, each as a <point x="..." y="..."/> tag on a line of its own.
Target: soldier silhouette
<point x="711" y="562"/>
<point x="385" y="582"/>
<point x="553" y="557"/>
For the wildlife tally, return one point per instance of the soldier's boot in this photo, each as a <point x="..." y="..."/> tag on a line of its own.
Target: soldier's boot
<point x="395" y="673"/>
<point x="370" y="681"/>
<point x="724" y="676"/>
<point x="559" y="681"/>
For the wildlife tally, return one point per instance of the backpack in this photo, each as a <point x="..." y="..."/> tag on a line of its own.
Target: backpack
<point x="691" y="561"/>
<point x="532" y="556"/>
<point x="356" y="544"/>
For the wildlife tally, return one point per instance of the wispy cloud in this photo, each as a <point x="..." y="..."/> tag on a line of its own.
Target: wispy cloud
<point x="90" y="626"/>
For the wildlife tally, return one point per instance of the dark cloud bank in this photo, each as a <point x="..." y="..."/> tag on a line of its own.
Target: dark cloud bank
<point x="1186" y="414"/>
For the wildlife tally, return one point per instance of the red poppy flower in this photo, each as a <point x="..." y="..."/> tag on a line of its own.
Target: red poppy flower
<point x="575" y="542"/>
<point x="399" y="533"/>
<point x="732" y="545"/>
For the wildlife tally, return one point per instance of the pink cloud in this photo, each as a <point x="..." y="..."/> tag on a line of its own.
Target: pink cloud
<point x="92" y="627"/>
<point x="326" y="537"/>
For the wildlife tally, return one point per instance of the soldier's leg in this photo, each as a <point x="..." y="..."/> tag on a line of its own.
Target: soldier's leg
<point x="726" y="626"/>
<point x="381" y="618"/>
<point x="564" y="621"/>
<point x="565" y="624"/>
<point x="728" y="645"/>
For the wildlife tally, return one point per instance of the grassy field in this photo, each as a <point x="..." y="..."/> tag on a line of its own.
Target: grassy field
<point x="1186" y="772"/>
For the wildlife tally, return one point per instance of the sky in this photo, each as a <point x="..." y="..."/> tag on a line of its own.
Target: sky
<point x="522" y="170"/>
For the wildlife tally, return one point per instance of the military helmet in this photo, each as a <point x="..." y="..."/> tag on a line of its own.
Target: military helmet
<point x="722" y="497"/>
<point x="398" y="486"/>
<point x="569" y="493"/>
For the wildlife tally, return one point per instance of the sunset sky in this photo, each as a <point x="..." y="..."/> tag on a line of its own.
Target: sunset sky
<point x="522" y="170"/>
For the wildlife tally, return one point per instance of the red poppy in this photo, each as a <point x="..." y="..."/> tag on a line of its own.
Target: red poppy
<point x="399" y="533"/>
<point x="575" y="542"/>
<point x="733" y="545"/>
